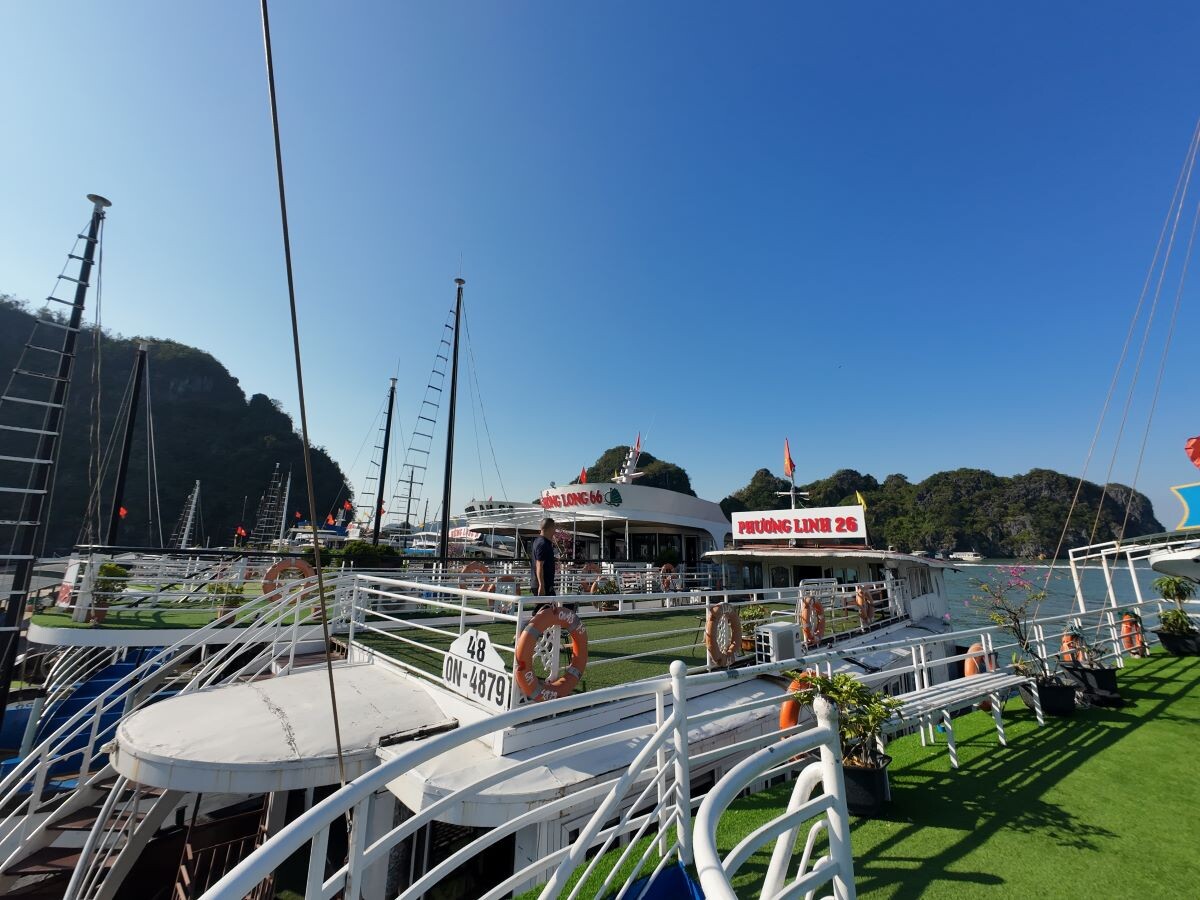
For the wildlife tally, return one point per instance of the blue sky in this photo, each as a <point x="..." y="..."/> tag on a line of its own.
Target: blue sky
<point x="907" y="236"/>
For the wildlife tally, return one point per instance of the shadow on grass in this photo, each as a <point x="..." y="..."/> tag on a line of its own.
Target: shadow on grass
<point x="1004" y="789"/>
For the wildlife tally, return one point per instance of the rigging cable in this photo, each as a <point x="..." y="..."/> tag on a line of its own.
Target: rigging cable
<point x="475" y="374"/>
<point x="152" y="463"/>
<point x="308" y="470"/>
<point x="1124" y="355"/>
<point x="1162" y="364"/>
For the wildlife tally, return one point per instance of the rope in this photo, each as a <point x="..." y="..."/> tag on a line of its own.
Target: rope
<point x="1179" y="182"/>
<point x="308" y="470"/>
<point x="482" y="412"/>
<point x="1162" y="363"/>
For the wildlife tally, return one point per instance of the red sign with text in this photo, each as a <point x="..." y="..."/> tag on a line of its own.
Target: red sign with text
<point x="807" y="524"/>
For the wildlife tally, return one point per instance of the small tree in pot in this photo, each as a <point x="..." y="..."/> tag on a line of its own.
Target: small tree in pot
<point x="1176" y="632"/>
<point x="862" y="713"/>
<point x="111" y="579"/>
<point x="752" y="616"/>
<point x="1006" y="598"/>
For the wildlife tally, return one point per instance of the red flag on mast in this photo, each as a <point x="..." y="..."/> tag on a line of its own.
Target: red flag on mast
<point x="347" y="505"/>
<point x="583" y="475"/>
<point x="1192" y="447"/>
<point x="122" y="512"/>
<point x="789" y="467"/>
<point x="329" y="519"/>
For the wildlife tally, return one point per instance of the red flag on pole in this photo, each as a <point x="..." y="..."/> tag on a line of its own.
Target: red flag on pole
<point x="329" y="519"/>
<point x="298" y="516"/>
<point x="347" y="505"/>
<point x="637" y="445"/>
<point x="122" y="512"/>
<point x="241" y="532"/>
<point x="789" y="467"/>
<point x="583" y="475"/>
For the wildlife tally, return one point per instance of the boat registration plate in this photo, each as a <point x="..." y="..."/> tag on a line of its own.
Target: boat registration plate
<point x="474" y="669"/>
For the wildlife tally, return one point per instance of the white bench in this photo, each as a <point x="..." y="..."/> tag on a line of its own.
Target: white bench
<point x="922" y="707"/>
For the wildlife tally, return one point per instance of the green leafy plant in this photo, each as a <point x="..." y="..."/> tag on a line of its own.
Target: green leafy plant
<point x="110" y="581"/>
<point x="1177" y="590"/>
<point x="862" y="712"/>
<point x="606" y="586"/>
<point x="753" y="615"/>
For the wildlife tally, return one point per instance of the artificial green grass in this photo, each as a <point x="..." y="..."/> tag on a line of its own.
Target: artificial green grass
<point x="1101" y="804"/>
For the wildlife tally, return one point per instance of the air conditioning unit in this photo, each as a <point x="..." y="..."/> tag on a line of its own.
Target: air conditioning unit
<point x="776" y="641"/>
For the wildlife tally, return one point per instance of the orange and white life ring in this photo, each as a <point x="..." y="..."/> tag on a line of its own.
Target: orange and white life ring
<point x="789" y="715"/>
<point x="546" y="618"/>
<point x="668" y="579"/>
<point x="812" y="619"/>
<point x="474" y="584"/>
<point x="976" y="663"/>
<point x="1071" y="648"/>
<point x="722" y="635"/>
<point x="866" y="606"/>
<point x="588" y="585"/>
<point x="1133" y="637"/>
<point x="271" y="577"/>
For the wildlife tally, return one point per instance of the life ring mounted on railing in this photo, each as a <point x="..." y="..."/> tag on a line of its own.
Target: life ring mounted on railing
<point x="527" y="681"/>
<point x="588" y="585"/>
<point x="1133" y="636"/>
<point x="866" y="606"/>
<point x="669" y="579"/>
<point x="722" y="635"/>
<point x="511" y="589"/>
<point x="812" y="619"/>
<point x="976" y="663"/>
<point x="789" y="714"/>
<point x="272" y="577"/>
<point x="466" y="583"/>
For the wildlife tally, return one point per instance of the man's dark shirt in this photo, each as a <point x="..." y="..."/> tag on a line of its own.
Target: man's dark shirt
<point x="542" y="550"/>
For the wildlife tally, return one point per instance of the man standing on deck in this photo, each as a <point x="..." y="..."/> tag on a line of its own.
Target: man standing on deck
<point x="542" y="561"/>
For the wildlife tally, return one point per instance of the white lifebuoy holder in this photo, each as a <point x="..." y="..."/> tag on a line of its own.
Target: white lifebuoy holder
<point x="723" y="622"/>
<point x="271" y="577"/>
<point x="527" y="681"/>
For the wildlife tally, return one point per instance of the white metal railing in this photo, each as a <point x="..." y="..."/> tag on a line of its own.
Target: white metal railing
<point x="1117" y="557"/>
<point x="826" y="813"/>
<point x="660" y="773"/>
<point x="76" y="748"/>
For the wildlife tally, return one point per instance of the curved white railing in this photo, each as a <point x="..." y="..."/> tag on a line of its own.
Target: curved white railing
<point x="23" y="790"/>
<point x="828" y="810"/>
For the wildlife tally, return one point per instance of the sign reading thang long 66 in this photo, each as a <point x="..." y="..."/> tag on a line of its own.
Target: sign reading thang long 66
<point x="838" y="522"/>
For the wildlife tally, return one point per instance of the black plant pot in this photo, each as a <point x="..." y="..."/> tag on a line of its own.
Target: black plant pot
<point x="1179" y="644"/>
<point x="866" y="787"/>
<point x="1057" y="699"/>
<point x="1099" y="685"/>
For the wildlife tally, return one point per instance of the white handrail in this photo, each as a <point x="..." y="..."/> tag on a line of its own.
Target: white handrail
<point x="716" y="873"/>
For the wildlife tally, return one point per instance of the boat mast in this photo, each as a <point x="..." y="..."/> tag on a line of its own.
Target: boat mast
<point x="22" y="553"/>
<point x="114" y="519"/>
<point x="387" y="439"/>
<point x="444" y="535"/>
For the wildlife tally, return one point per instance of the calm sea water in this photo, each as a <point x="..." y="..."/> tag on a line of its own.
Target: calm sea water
<point x="963" y="585"/>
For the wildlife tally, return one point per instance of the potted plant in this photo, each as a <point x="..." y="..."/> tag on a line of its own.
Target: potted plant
<point x="998" y="597"/>
<point x="752" y="616"/>
<point x="110" y="582"/>
<point x="1082" y="665"/>
<point x="1176" y="632"/>
<point x="607" y="586"/>
<point x="862" y="713"/>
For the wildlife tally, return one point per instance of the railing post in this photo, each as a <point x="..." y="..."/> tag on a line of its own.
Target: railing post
<point x="835" y="786"/>
<point x="353" y="616"/>
<point x="683" y="778"/>
<point x="660" y="760"/>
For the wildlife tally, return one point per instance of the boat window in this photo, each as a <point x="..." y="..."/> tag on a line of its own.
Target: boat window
<point x="803" y="573"/>
<point x="645" y="547"/>
<point x="779" y="577"/>
<point x="745" y="576"/>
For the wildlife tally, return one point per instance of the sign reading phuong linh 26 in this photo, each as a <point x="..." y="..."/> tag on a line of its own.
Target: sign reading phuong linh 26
<point x="830" y="522"/>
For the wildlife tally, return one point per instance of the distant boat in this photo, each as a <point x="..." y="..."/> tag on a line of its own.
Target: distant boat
<point x="941" y="554"/>
<point x="921" y="553"/>
<point x="971" y="556"/>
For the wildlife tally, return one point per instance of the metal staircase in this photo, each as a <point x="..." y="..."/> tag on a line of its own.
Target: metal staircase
<point x="181" y="536"/>
<point x="32" y="415"/>
<point x="272" y="510"/>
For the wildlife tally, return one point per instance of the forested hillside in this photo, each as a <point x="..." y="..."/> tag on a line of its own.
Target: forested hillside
<point x="204" y="428"/>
